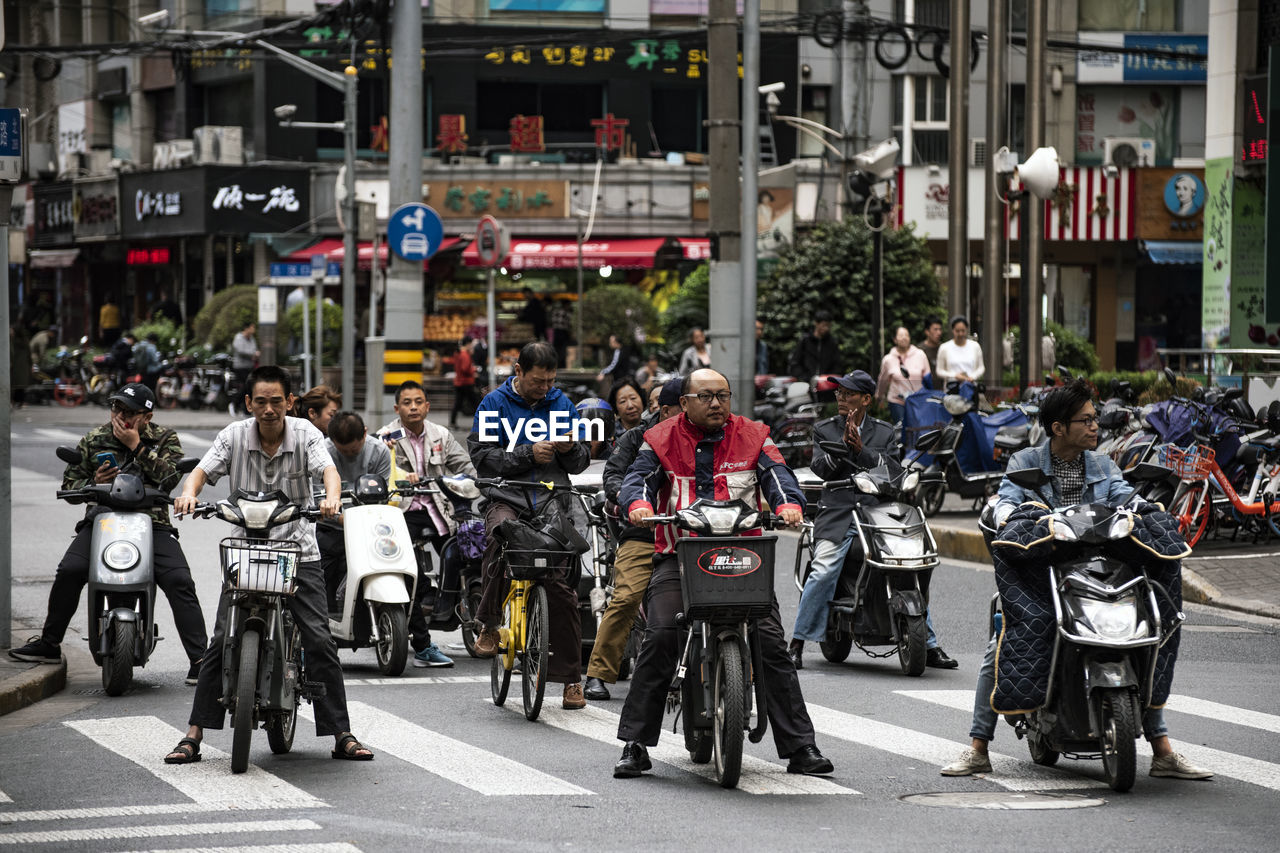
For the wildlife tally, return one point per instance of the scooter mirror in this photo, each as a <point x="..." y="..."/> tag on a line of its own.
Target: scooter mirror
<point x="1029" y="478"/>
<point x="926" y="440"/>
<point x="187" y="464"/>
<point x="1171" y="377"/>
<point x="1065" y="373"/>
<point x="463" y="487"/>
<point x="69" y="455"/>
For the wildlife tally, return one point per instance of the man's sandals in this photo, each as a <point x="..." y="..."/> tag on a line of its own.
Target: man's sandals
<point x="350" y="749"/>
<point x="186" y="752"/>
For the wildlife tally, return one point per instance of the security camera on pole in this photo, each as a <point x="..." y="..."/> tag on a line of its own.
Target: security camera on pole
<point x="871" y="187"/>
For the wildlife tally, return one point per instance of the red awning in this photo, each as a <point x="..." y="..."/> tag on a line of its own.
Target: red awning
<point x="333" y="250"/>
<point x="696" y="248"/>
<point x="634" y="253"/>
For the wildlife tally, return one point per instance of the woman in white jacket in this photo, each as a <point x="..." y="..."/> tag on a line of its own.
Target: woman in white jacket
<point x="960" y="358"/>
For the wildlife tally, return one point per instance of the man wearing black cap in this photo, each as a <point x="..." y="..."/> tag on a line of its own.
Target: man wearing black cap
<point x="633" y="562"/>
<point x="870" y="442"/>
<point x="128" y="437"/>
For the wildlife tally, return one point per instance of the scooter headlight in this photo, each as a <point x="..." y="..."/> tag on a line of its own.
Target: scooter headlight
<point x="121" y="556"/>
<point x="1063" y="532"/>
<point x="866" y="485"/>
<point x="1121" y="526"/>
<point x="386" y="547"/>
<point x="1112" y="620"/>
<point x="382" y="529"/>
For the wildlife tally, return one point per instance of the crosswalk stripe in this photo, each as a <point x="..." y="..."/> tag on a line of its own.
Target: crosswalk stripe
<point x="1220" y="713"/>
<point x="411" y="681"/>
<point x="322" y="847"/>
<point x="758" y="776"/>
<point x="101" y="812"/>
<point x="209" y="781"/>
<point x="57" y="434"/>
<point x="107" y="833"/>
<point x="188" y="441"/>
<point x="470" y="766"/>
<point x="4" y="798"/>
<point x="1246" y="769"/>
<point x="1008" y="772"/>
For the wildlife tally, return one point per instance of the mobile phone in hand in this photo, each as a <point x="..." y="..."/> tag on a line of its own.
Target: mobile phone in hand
<point x="106" y="457"/>
<point x="393" y="435"/>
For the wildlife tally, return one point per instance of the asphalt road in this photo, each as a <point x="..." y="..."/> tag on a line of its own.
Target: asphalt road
<point x="82" y="771"/>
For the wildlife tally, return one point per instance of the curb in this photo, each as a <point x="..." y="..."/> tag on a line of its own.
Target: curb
<point x="27" y="688"/>
<point x="956" y="543"/>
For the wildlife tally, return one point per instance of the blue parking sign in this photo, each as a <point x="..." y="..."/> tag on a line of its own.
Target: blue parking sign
<point x="11" y="153"/>
<point x="415" y="231"/>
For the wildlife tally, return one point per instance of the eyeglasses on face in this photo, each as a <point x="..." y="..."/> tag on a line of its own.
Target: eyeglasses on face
<point x="846" y="394"/>
<point x="705" y="397"/>
<point x="1088" y="421"/>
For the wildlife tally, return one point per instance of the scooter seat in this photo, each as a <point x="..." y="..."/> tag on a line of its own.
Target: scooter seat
<point x="1012" y="436"/>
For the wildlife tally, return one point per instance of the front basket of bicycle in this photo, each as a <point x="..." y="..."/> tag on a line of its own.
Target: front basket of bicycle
<point x="260" y="565"/>
<point x="534" y="565"/>
<point x="1191" y="464"/>
<point x="726" y="577"/>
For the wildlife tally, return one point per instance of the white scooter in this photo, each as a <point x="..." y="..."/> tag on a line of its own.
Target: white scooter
<point x="381" y="574"/>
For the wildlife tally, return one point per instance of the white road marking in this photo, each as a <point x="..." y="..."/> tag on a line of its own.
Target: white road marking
<point x="1007" y="772"/>
<point x="4" y="798"/>
<point x="470" y="766"/>
<point x="1252" y="770"/>
<point x="189" y="441"/>
<point x="106" y="833"/>
<point x="758" y="776"/>
<point x="143" y="740"/>
<point x="99" y="812"/>
<point x="409" y="681"/>
<point x="60" y="435"/>
<point x="322" y="847"/>
<point x="1218" y="712"/>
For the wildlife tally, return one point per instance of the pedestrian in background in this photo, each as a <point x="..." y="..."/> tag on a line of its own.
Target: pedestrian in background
<point x="696" y="355"/>
<point x="464" y="383"/>
<point x="560" y="318"/>
<point x="619" y="366"/>
<point x="40" y="343"/>
<point x="932" y="340"/>
<point x="19" y="363"/>
<point x="244" y="355"/>
<point x="816" y="354"/>
<point x="146" y="359"/>
<point x="902" y="373"/>
<point x="762" y="351"/>
<point x="109" y="321"/>
<point x="960" y="358"/>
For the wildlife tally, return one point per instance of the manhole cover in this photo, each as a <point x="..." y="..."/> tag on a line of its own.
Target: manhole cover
<point x="1007" y="800"/>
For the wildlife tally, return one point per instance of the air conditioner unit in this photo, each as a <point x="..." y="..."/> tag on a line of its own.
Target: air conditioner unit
<point x="977" y="152"/>
<point x="219" y="145"/>
<point x="99" y="161"/>
<point x="1126" y="152"/>
<point x="173" y="154"/>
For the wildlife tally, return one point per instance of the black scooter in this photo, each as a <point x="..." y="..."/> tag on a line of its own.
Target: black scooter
<point x="941" y="444"/>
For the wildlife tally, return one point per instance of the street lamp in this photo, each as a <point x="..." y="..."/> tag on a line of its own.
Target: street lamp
<point x="873" y="180"/>
<point x="344" y="83"/>
<point x="1039" y="177"/>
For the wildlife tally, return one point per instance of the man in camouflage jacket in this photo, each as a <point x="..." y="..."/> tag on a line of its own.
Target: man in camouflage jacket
<point x="129" y="435"/>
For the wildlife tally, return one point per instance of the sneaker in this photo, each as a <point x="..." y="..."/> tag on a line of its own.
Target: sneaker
<point x="573" y="698"/>
<point x="486" y="644"/>
<point x="193" y="673"/>
<point x="37" y="650"/>
<point x="431" y="656"/>
<point x="1175" y="766"/>
<point x="970" y="761"/>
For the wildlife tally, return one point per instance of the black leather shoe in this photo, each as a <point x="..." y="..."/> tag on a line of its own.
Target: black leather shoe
<point x="595" y="690"/>
<point x="634" y="761"/>
<point x="938" y="659"/>
<point x="797" y="656"/>
<point x="809" y="761"/>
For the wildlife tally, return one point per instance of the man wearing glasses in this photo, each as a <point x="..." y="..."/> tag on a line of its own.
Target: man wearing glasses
<point x="128" y="437"/>
<point x="1077" y="475"/>
<point x="707" y="452"/>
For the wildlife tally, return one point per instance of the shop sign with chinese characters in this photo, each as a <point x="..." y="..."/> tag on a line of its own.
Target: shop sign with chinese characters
<point x="54" y="215"/>
<point x="215" y="200"/>
<point x="506" y="199"/>
<point x="664" y="56"/>
<point x="96" y="207"/>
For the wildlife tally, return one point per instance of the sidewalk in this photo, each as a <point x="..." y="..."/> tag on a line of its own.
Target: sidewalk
<point x="23" y="684"/>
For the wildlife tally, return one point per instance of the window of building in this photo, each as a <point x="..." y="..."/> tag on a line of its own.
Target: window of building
<point x="929" y="13"/>
<point x="925" y="100"/>
<point x="676" y="115"/>
<point x="566" y="109"/>
<point x="1129" y="15"/>
<point x="815" y="105"/>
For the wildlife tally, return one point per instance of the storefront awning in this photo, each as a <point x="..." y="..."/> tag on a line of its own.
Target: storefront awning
<point x="334" y="252"/>
<point x="634" y="253"/>
<point x="696" y="248"/>
<point x="1174" y="251"/>
<point x="53" y="259"/>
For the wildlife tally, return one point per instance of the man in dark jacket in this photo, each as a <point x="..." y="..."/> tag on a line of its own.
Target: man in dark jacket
<point x="523" y="431"/>
<point x="633" y="562"/>
<point x="816" y="354"/>
<point x="871" y="442"/>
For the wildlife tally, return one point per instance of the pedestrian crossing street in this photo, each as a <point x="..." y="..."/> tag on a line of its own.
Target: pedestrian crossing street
<point x="192" y="444"/>
<point x="212" y="802"/>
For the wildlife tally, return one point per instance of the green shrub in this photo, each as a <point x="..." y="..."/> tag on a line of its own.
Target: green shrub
<point x="689" y="308"/>
<point x="223" y="316"/>
<point x="618" y="309"/>
<point x="166" y="330"/>
<point x="1072" y="351"/>
<point x="291" y="326"/>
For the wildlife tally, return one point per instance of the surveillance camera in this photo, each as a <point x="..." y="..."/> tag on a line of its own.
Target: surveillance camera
<point x="1110" y="171"/>
<point x="879" y="161"/>
<point x="284" y="112"/>
<point x="771" y="87"/>
<point x="155" y="20"/>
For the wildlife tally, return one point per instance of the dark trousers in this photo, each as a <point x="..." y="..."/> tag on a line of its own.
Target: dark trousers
<point x="333" y="562"/>
<point x="420" y="523"/>
<point x="172" y="576"/>
<point x="321" y="655"/>
<point x="464" y="403"/>
<point x="560" y="340"/>
<point x="642" y="714"/>
<point x="565" y="640"/>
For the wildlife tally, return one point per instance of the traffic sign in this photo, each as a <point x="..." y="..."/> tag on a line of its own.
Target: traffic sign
<point x="13" y="153"/>
<point x="415" y="231"/>
<point x="492" y="242"/>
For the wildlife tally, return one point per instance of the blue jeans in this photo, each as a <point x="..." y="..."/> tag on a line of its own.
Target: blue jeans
<point x="983" y="726"/>
<point x="897" y="413"/>
<point x="820" y="588"/>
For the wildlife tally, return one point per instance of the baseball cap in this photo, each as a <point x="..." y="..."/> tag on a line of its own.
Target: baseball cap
<point x="670" y="393"/>
<point x="136" y="396"/>
<point x="859" y="381"/>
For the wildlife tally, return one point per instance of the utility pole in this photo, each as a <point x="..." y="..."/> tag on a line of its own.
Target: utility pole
<point x="958" y="197"/>
<point x="744" y="382"/>
<point x="1030" y="321"/>
<point x="6" y="422"/>
<point x="848" y="103"/>
<point x="993" y="220"/>
<point x="725" y="231"/>
<point x="404" y="278"/>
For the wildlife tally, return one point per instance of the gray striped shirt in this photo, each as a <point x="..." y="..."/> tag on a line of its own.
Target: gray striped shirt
<point x="302" y="456"/>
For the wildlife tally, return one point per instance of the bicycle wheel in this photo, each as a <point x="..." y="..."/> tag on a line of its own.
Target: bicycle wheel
<point x="729" y="696"/>
<point x="500" y="670"/>
<point x="1192" y="511"/>
<point x="470" y="606"/>
<point x="246" y="687"/>
<point x="537" y="628"/>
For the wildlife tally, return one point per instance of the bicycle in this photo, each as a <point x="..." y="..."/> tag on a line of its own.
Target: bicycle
<point x="525" y="630"/>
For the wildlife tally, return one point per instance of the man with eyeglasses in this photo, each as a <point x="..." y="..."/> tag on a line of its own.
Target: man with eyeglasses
<point x="707" y="452"/>
<point x="129" y="437"/>
<point x="263" y="453"/>
<point x="1077" y="475"/>
<point x="871" y="442"/>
